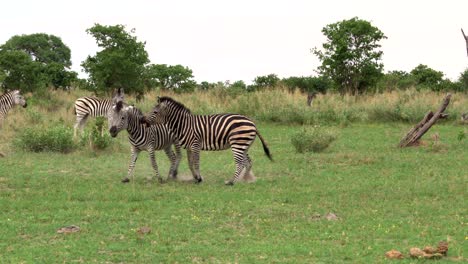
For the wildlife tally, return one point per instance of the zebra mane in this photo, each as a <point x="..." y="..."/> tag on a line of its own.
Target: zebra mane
<point x="174" y="103"/>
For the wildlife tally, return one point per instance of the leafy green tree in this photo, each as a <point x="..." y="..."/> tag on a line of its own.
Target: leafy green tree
<point x="427" y="78"/>
<point x="307" y="84"/>
<point x="173" y="77"/>
<point x="204" y="86"/>
<point x="396" y="80"/>
<point x="34" y="61"/>
<point x="350" y="56"/>
<point x="20" y="72"/>
<point x="121" y="62"/>
<point x="463" y="81"/>
<point x="270" y="80"/>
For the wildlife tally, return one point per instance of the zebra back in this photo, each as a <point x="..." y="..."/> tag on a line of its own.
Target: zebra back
<point x="92" y="106"/>
<point x="8" y="100"/>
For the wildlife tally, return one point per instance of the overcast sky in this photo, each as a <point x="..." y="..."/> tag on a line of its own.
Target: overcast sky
<point x="239" y="40"/>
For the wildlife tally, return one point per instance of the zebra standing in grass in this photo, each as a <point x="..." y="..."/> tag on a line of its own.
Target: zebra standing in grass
<point x="89" y="106"/>
<point x="8" y="100"/>
<point x="93" y="106"/>
<point x="152" y="138"/>
<point x="208" y="132"/>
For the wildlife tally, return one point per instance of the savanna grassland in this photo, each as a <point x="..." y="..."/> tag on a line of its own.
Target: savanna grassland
<point x="383" y="197"/>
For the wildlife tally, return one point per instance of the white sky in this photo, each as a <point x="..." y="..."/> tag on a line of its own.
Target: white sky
<point x="241" y="39"/>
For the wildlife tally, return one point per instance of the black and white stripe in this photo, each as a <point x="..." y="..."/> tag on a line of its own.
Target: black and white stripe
<point x="152" y="138"/>
<point x="208" y="132"/>
<point x="8" y="101"/>
<point x="90" y="106"/>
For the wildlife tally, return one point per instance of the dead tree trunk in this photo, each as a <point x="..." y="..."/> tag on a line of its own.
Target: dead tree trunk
<point x="310" y="98"/>
<point x="426" y="123"/>
<point x="466" y="39"/>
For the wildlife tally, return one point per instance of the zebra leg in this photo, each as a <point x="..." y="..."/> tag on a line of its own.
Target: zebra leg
<point x="178" y="157"/>
<point x="194" y="163"/>
<point x="172" y="158"/>
<point x="131" y="166"/>
<point x="79" y="124"/>
<point x="248" y="174"/>
<point x="240" y="159"/>
<point x="154" y="164"/>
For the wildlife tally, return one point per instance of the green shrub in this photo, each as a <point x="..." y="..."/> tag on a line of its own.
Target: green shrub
<point x="315" y="139"/>
<point x="97" y="138"/>
<point x="57" y="138"/>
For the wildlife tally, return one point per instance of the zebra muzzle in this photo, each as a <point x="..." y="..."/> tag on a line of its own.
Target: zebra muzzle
<point x="113" y="131"/>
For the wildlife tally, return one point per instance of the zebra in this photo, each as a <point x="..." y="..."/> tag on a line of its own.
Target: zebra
<point x="89" y="106"/>
<point x="208" y="132"/>
<point x="8" y="101"/>
<point x="141" y="137"/>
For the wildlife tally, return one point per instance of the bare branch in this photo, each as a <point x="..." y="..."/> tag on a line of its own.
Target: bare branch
<point x="466" y="39"/>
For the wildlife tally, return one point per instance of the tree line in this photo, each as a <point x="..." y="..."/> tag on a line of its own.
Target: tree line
<point x="350" y="64"/>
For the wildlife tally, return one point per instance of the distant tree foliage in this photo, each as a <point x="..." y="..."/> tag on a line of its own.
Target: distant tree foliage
<point x="307" y="84"/>
<point x="32" y="62"/>
<point x="177" y="77"/>
<point x="121" y="62"/>
<point x="463" y="81"/>
<point x="426" y="77"/>
<point x="350" y="56"/>
<point x="270" y="80"/>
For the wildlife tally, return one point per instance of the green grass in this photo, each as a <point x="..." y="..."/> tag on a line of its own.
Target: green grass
<point x="385" y="197"/>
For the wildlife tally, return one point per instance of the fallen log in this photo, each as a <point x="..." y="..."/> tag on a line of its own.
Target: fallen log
<point x="425" y="124"/>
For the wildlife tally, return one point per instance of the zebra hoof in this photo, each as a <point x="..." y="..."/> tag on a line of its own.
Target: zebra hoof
<point x="126" y="180"/>
<point x="229" y="183"/>
<point x="199" y="180"/>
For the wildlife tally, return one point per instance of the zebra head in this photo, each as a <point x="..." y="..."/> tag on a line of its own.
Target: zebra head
<point x="118" y="118"/>
<point x="159" y="113"/>
<point x="18" y="99"/>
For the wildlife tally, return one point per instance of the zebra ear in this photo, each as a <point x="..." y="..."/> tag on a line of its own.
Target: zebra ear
<point x="159" y="99"/>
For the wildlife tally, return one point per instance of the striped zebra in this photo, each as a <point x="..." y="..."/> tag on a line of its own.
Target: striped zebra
<point x="152" y="138"/>
<point x="89" y="106"/>
<point x="208" y="132"/>
<point x="8" y="101"/>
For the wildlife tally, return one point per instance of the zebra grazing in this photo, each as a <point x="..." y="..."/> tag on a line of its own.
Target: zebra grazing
<point x="152" y="138"/>
<point x="89" y="106"/>
<point x="8" y="100"/>
<point x="208" y="132"/>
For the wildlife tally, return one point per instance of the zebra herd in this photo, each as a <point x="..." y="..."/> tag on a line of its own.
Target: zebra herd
<point x="169" y="124"/>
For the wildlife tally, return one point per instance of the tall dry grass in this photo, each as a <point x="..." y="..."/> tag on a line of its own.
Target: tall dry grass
<point x="274" y="105"/>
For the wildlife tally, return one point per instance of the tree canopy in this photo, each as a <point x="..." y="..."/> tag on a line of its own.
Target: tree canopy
<point x="350" y="56"/>
<point x="121" y="62"/>
<point x="31" y="62"/>
<point x="171" y="77"/>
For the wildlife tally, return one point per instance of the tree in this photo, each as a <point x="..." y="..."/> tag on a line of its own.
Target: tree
<point x="35" y="61"/>
<point x="396" y="80"/>
<point x="177" y="77"/>
<point x="463" y="81"/>
<point x="350" y="57"/>
<point x="121" y="62"/>
<point x="307" y="84"/>
<point x="270" y="80"/>
<point x="426" y="77"/>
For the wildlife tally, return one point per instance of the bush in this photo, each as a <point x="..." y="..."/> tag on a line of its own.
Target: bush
<point x="314" y="139"/>
<point x="57" y="138"/>
<point x="97" y="138"/>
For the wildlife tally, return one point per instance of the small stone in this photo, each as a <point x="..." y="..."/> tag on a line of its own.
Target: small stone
<point x="416" y="253"/>
<point x="144" y="230"/>
<point x="68" y="229"/>
<point x="331" y="217"/>
<point x="394" y="254"/>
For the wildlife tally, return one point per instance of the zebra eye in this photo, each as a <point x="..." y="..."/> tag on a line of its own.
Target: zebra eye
<point x="122" y="118"/>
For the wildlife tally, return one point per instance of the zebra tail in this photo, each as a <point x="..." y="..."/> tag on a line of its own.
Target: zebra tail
<point x="265" y="147"/>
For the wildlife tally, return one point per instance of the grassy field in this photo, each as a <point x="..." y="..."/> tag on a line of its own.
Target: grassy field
<point x="385" y="198"/>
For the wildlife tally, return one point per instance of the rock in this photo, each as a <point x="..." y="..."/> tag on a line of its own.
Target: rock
<point x="144" y="230"/>
<point x="416" y="253"/>
<point x="442" y="248"/>
<point x="394" y="254"/>
<point x="68" y="229"/>
<point x="331" y="217"/>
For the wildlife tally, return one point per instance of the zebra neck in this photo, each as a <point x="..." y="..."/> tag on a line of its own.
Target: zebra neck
<point x="134" y="127"/>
